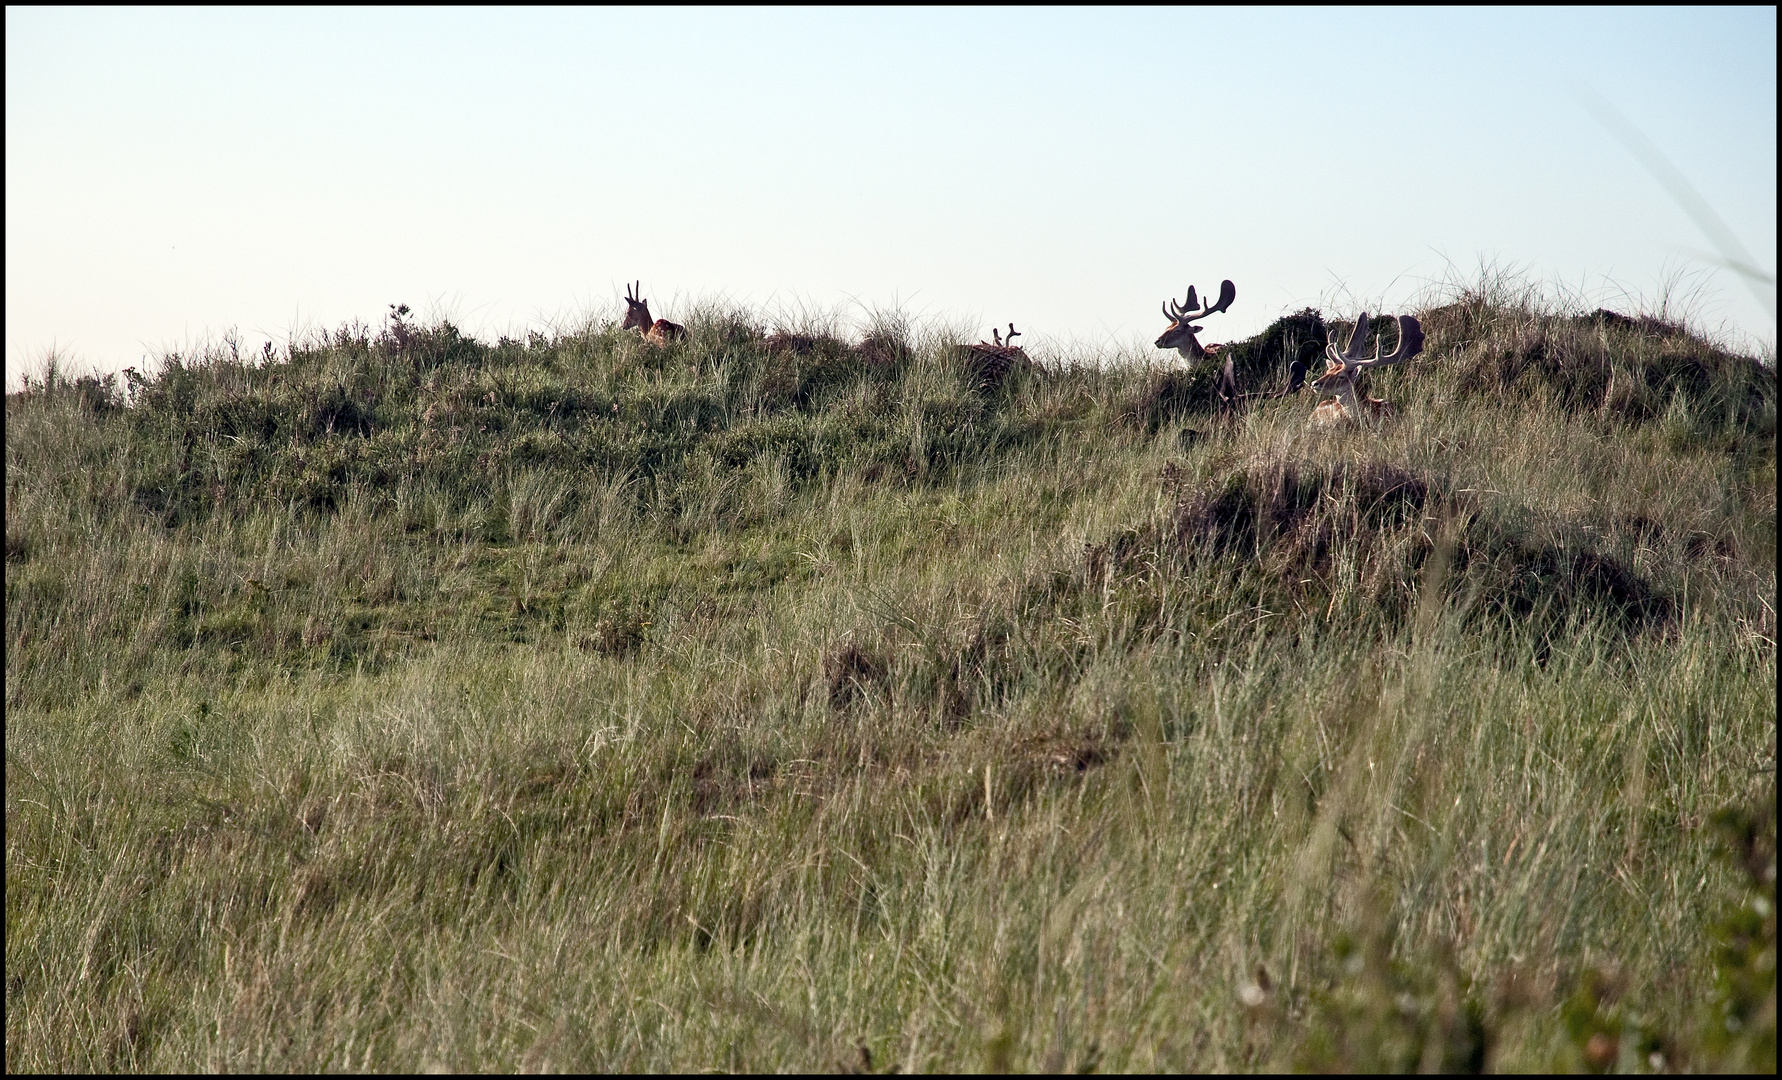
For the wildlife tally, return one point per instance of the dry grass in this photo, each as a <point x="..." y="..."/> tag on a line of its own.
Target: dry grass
<point x="780" y="704"/>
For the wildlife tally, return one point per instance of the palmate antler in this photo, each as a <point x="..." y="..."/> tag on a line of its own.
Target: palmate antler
<point x="1410" y="343"/>
<point x="1185" y="313"/>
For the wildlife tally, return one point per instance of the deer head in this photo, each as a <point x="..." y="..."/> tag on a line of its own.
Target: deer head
<point x="1342" y="367"/>
<point x="1180" y="335"/>
<point x="637" y="310"/>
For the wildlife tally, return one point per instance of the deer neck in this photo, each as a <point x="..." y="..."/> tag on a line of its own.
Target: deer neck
<point x="1345" y="393"/>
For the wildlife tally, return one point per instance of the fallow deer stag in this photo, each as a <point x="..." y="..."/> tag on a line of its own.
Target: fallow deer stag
<point x="1347" y="401"/>
<point x="1180" y="335"/>
<point x="637" y="317"/>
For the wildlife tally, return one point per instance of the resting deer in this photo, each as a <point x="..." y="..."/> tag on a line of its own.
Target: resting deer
<point x="1348" y="402"/>
<point x="1180" y="335"/>
<point x="993" y="361"/>
<point x="637" y="317"/>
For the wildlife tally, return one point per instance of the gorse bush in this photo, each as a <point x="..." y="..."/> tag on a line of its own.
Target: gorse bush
<point x="813" y="700"/>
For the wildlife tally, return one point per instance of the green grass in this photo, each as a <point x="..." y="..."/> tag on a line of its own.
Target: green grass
<point x="401" y="701"/>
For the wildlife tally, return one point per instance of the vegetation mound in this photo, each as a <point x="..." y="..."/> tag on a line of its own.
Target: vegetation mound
<point x="1637" y="369"/>
<point x="1316" y="528"/>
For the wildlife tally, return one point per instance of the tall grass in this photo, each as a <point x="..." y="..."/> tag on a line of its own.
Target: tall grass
<point x="403" y="701"/>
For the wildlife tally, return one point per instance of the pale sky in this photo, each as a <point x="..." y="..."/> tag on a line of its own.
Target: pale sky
<point x="172" y="174"/>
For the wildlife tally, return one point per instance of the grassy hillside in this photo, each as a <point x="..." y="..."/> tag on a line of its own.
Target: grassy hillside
<point x="405" y="701"/>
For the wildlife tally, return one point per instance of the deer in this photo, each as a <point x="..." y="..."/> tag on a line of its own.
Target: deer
<point x="993" y="361"/>
<point x="1347" y="402"/>
<point x="637" y="317"/>
<point x="1180" y="335"/>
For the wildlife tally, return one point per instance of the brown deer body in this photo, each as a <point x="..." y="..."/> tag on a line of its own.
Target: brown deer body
<point x="1333" y="411"/>
<point x="1347" y="402"/>
<point x="1180" y="335"/>
<point x="637" y="317"/>
<point x="994" y="360"/>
